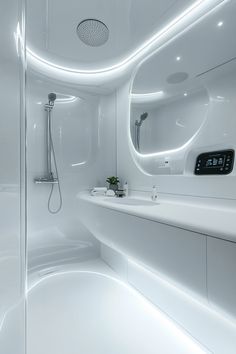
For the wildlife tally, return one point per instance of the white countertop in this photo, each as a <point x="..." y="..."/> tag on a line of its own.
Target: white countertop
<point x="210" y="218"/>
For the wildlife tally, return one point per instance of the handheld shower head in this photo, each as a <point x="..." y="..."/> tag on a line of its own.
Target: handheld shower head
<point x="143" y="116"/>
<point x="51" y="98"/>
<point x="138" y="125"/>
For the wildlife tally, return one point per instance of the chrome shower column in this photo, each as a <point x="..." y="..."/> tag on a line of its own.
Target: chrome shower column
<point x="48" y="109"/>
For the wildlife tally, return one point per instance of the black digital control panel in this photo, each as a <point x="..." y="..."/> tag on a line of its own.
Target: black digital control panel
<point x="215" y="163"/>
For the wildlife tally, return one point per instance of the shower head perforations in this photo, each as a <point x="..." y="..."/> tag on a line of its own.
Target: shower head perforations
<point x="93" y="32"/>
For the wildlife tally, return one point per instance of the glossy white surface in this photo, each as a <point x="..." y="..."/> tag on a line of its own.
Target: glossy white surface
<point x="90" y="311"/>
<point x="216" y="330"/>
<point x="45" y="59"/>
<point x="221" y="275"/>
<point x="123" y="19"/>
<point x="129" y="201"/>
<point x="192" y="116"/>
<point x="170" y="125"/>
<point x="58" y="238"/>
<point x="82" y="128"/>
<point x="217" y="46"/>
<point x="194" y="273"/>
<point x="200" y="216"/>
<point x="12" y="236"/>
<point x="211" y="325"/>
<point x="218" y="133"/>
<point x="179" y="254"/>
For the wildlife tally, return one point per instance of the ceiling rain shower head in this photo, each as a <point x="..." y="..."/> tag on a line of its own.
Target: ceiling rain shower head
<point x="93" y="32"/>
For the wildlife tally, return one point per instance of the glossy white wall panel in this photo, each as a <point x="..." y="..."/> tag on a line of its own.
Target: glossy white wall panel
<point x="12" y="237"/>
<point x="48" y="38"/>
<point x="170" y="125"/>
<point x="58" y="238"/>
<point x="200" y="48"/>
<point x="195" y="314"/>
<point x="221" y="266"/>
<point x="115" y="260"/>
<point x="177" y="254"/>
<point x="9" y="125"/>
<point x="84" y="138"/>
<point x="217" y="133"/>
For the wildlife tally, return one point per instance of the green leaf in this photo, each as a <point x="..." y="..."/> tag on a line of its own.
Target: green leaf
<point x="113" y="180"/>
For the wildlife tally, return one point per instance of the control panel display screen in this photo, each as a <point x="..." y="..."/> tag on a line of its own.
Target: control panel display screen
<point x="217" y="162"/>
<point x="214" y="161"/>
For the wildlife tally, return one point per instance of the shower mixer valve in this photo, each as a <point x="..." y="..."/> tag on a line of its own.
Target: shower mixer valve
<point x="50" y="180"/>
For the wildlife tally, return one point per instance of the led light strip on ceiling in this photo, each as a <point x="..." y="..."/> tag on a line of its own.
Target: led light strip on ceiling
<point x="197" y="10"/>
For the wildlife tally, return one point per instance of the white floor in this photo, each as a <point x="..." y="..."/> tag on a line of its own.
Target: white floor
<point x="88" y="310"/>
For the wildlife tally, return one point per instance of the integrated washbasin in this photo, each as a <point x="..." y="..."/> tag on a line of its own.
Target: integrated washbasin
<point x="130" y="201"/>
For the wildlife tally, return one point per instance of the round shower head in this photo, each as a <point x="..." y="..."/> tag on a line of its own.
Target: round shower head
<point x="52" y="97"/>
<point x="93" y="32"/>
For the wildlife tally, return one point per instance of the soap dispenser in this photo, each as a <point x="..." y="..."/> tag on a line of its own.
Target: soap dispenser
<point x="126" y="189"/>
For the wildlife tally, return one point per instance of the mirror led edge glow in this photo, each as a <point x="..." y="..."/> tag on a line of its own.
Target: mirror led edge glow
<point x="139" y="98"/>
<point x="69" y="99"/>
<point x="198" y="8"/>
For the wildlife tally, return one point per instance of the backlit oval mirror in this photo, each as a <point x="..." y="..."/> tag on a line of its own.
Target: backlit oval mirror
<point x="173" y="91"/>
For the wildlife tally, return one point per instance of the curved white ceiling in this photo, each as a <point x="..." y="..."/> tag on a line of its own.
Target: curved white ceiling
<point x="51" y="28"/>
<point x="207" y="45"/>
<point x="136" y="28"/>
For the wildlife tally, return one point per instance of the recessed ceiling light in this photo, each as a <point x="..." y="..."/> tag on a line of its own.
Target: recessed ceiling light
<point x="178" y="58"/>
<point x="176" y="78"/>
<point x="220" y="23"/>
<point x="185" y="94"/>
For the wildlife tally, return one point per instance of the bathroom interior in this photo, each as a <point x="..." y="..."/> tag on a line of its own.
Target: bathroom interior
<point x="144" y="92"/>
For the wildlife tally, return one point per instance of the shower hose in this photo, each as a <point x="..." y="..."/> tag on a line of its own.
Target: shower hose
<point x="50" y="209"/>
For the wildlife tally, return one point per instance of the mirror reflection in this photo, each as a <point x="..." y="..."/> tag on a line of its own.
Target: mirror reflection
<point x="166" y="125"/>
<point x="172" y="91"/>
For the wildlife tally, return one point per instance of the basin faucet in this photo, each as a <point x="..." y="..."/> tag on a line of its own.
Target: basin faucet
<point x="154" y="193"/>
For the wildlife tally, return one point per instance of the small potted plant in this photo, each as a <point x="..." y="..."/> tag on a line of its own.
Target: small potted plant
<point x="113" y="182"/>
